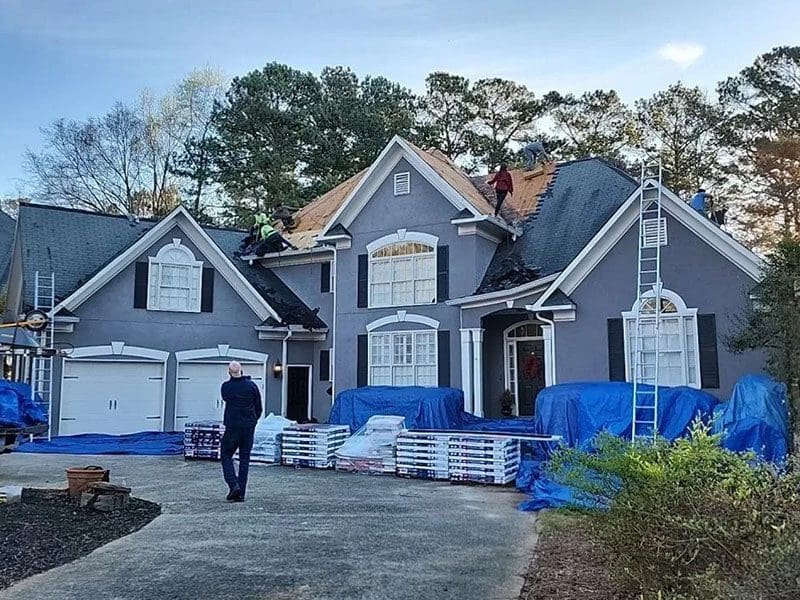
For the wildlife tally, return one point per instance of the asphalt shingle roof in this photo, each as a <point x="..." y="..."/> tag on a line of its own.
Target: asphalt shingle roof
<point x="76" y="244"/>
<point x="7" y="225"/>
<point x="581" y="197"/>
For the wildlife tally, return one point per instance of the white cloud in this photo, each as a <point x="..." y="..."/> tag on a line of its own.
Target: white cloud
<point x="682" y="54"/>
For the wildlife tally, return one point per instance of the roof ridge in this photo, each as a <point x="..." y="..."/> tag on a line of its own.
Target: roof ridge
<point x="72" y="209"/>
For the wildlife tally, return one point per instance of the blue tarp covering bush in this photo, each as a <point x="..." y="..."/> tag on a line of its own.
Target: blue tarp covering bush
<point x="756" y="418"/>
<point x="152" y="443"/>
<point x="17" y="408"/>
<point x="423" y="408"/>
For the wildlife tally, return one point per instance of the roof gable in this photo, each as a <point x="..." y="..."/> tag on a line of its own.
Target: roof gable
<point x="442" y="174"/>
<point x="627" y="216"/>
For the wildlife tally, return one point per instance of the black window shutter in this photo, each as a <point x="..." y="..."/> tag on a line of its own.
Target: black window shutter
<point x="363" y="281"/>
<point x="207" y="291"/>
<point x="324" y="365"/>
<point x="707" y="341"/>
<point x="616" y="350"/>
<point x="443" y="273"/>
<point x="140" y="285"/>
<point x="444" y="359"/>
<point x="361" y="377"/>
<point x="325" y="277"/>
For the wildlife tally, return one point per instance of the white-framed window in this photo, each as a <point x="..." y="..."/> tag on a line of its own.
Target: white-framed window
<point x="678" y="349"/>
<point x="402" y="183"/>
<point x="401" y="358"/>
<point x="402" y="274"/>
<point x="174" y="279"/>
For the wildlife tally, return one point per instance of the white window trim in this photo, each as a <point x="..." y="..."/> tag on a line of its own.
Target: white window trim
<point x="159" y="260"/>
<point x="413" y="364"/>
<point x="402" y="317"/>
<point x="682" y="313"/>
<point x="403" y="236"/>
<point x="398" y="181"/>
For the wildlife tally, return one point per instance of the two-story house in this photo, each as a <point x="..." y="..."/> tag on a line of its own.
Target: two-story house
<point x="402" y="277"/>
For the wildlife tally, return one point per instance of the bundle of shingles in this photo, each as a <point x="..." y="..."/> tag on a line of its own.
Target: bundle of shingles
<point x="312" y="445"/>
<point x="203" y="439"/>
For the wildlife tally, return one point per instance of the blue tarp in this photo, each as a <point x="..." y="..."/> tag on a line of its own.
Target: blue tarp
<point x="17" y="408"/>
<point x="423" y="408"/>
<point x="579" y="411"/>
<point x="144" y="443"/>
<point x="756" y="418"/>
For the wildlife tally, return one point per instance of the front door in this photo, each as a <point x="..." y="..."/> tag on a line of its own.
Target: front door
<point x="298" y="391"/>
<point x="530" y="369"/>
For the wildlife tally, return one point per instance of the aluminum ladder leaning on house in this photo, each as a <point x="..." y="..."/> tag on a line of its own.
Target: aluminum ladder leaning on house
<point x="647" y="333"/>
<point x="44" y="296"/>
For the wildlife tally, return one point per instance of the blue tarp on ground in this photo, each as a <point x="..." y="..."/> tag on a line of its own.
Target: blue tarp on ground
<point x="423" y="408"/>
<point x="152" y="443"/>
<point x="17" y="408"/>
<point x="756" y="418"/>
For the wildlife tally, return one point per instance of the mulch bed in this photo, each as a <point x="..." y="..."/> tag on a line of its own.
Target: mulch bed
<point x="48" y="529"/>
<point x="568" y="563"/>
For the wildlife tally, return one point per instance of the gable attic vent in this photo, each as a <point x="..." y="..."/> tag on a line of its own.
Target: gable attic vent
<point x="654" y="232"/>
<point x="402" y="183"/>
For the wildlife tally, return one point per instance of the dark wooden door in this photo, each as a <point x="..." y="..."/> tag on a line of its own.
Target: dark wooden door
<point x="530" y="373"/>
<point x="298" y="393"/>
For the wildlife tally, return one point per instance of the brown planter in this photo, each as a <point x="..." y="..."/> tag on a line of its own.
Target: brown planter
<point x="79" y="478"/>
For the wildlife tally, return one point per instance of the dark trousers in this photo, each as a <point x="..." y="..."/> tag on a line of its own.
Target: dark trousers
<point x="241" y="439"/>
<point x="501" y="196"/>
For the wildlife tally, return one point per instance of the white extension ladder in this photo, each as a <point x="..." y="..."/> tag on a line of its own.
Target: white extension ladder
<point x="44" y="296"/>
<point x="647" y="333"/>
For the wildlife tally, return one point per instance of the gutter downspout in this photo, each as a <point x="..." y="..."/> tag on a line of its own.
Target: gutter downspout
<point x="332" y="343"/>
<point x="285" y="375"/>
<point x="552" y="325"/>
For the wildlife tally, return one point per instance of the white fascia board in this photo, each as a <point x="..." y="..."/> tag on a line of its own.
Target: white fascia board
<point x="501" y="296"/>
<point x="302" y="255"/>
<point x="626" y="216"/>
<point x="490" y="219"/>
<point x="395" y="150"/>
<point x="203" y="242"/>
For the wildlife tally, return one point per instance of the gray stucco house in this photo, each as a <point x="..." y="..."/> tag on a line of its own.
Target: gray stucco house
<point x="402" y="276"/>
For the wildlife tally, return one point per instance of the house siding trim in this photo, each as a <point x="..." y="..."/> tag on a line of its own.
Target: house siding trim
<point x="402" y="317"/>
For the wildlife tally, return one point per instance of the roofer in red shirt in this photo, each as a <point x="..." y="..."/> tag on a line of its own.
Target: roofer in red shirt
<point x="503" y="185"/>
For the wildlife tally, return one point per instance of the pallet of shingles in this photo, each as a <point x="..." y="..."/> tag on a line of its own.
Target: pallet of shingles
<point x="483" y="459"/>
<point x="422" y="455"/>
<point x="202" y="440"/>
<point x="312" y="445"/>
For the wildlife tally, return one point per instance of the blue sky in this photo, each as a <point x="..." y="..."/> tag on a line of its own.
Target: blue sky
<point x="75" y="58"/>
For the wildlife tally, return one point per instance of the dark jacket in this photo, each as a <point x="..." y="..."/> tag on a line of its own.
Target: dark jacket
<point x="502" y="181"/>
<point x="242" y="402"/>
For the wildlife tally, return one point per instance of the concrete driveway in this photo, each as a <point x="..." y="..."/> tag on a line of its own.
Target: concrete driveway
<point x="302" y="534"/>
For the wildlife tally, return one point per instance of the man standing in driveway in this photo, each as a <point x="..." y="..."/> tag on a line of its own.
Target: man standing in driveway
<point x="242" y="411"/>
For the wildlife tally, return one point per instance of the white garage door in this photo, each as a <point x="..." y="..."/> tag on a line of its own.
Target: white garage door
<point x="198" y="390"/>
<point x="111" y="397"/>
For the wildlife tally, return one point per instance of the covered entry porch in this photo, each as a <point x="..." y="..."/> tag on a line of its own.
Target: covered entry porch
<point x="506" y="361"/>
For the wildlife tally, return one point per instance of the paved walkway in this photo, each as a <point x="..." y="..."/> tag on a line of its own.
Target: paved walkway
<point x="302" y="534"/>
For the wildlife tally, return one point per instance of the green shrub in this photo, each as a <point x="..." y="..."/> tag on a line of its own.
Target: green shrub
<point x="691" y="519"/>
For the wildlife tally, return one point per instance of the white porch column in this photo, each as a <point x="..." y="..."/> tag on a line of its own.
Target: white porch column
<point x="477" y="373"/>
<point x="466" y="369"/>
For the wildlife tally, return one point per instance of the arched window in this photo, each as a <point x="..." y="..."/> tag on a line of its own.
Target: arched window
<point x="174" y="279"/>
<point x="678" y="353"/>
<point x="402" y="274"/>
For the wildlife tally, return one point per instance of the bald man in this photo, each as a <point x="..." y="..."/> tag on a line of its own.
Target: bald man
<point x="242" y="412"/>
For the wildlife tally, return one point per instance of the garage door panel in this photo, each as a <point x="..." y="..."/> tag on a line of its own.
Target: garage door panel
<point x="197" y="390"/>
<point x="112" y="397"/>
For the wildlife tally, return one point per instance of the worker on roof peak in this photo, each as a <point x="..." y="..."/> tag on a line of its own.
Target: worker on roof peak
<point x="534" y="152"/>
<point x="503" y="185"/>
<point x="699" y="200"/>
